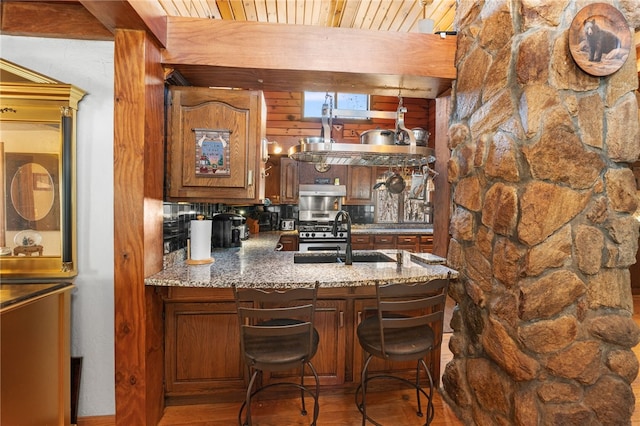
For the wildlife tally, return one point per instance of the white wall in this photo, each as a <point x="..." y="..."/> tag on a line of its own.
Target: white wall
<point x="89" y="66"/>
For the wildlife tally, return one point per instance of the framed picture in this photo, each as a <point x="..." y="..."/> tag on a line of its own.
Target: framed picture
<point x="212" y="152"/>
<point x="599" y="39"/>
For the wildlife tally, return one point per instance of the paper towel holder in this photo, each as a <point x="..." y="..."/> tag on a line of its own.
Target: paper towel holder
<point x="197" y="261"/>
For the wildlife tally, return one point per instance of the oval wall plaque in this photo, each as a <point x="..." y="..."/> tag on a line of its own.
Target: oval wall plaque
<point x="599" y="39"/>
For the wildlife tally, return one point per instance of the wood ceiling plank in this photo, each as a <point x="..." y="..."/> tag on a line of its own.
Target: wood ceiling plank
<point x="238" y="10"/>
<point x="300" y="6"/>
<point x="349" y="12"/>
<point x="250" y="10"/>
<point x="361" y="14"/>
<point x="381" y="14"/>
<point x="183" y="9"/>
<point x="337" y="13"/>
<point x="261" y="10"/>
<point x="200" y="8"/>
<point x="391" y="15"/>
<point x="410" y="22"/>
<point x="272" y="10"/>
<point x="224" y="7"/>
<point x="405" y="13"/>
<point x="169" y="7"/>
<point x="213" y="9"/>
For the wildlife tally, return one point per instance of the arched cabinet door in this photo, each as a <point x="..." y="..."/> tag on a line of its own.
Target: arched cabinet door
<point x="37" y="175"/>
<point x="215" y="150"/>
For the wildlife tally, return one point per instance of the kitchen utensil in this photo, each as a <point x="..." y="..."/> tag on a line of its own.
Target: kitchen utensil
<point x="395" y="184"/>
<point x="378" y="137"/>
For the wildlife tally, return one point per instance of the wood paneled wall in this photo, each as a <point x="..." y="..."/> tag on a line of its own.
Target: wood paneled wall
<point x="286" y="125"/>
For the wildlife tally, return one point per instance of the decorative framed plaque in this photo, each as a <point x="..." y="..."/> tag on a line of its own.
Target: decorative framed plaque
<point x="599" y="39"/>
<point x="212" y="152"/>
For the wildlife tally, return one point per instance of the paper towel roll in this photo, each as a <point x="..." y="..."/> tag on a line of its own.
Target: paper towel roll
<point x="200" y="239"/>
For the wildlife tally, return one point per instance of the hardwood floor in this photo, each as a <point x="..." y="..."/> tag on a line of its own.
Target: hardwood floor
<point x="388" y="408"/>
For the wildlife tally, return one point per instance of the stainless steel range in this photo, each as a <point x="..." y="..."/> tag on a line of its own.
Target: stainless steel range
<point x="318" y="236"/>
<point x="318" y="207"/>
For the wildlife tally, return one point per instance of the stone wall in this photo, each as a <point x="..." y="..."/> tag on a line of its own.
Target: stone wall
<point x="543" y="227"/>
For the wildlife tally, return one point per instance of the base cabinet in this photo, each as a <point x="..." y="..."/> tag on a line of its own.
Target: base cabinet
<point x="203" y="360"/>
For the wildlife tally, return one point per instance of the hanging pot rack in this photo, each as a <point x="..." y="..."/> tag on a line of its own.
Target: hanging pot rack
<point x="325" y="151"/>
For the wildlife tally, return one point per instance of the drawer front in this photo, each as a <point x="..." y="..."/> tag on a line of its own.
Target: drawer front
<point x="407" y="239"/>
<point x="361" y="242"/>
<point x="384" y="241"/>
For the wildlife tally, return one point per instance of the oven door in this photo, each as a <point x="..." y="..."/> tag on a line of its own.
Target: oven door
<point x="322" y="245"/>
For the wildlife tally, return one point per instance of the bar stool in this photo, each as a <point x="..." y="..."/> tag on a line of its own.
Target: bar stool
<point x="277" y="333"/>
<point x="407" y="326"/>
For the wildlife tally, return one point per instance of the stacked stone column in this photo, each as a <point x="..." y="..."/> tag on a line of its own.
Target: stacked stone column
<point x="543" y="221"/>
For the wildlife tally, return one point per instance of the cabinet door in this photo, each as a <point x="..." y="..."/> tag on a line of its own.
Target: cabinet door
<point x="329" y="361"/>
<point x="288" y="243"/>
<point x="288" y="181"/>
<point x="361" y="242"/>
<point x="360" y="181"/>
<point x="240" y="160"/>
<point x="407" y="369"/>
<point x="195" y="361"/>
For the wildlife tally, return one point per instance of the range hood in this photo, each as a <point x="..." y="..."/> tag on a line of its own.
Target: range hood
<point x="324" y="150"/>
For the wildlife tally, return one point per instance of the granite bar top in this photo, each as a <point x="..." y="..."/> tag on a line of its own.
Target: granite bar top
<point x="257" y="264"/>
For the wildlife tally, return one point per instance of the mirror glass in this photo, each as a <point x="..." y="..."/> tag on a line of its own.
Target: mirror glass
<point x="32" y="191"/>
<point x="31" y="154"/>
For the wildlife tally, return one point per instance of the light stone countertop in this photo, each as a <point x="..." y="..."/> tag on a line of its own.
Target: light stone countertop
<point x="257" y="264"/>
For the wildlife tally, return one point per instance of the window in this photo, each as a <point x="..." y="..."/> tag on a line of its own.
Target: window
<point x="313" y="102"/>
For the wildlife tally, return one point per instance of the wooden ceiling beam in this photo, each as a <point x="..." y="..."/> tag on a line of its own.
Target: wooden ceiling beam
<point x="255" y="45"/>
<point x="55" y="20"/>
<point x="130" y="14"/>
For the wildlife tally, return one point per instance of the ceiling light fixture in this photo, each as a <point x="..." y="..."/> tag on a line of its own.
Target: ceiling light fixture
<point x="277" y="149"/>
<point x="425" y="26"/>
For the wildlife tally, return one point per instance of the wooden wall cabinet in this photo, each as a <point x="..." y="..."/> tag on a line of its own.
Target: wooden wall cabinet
<point x="288" y="181"/>
<point x="360" y="181"/>
<point x="241" y="177"/>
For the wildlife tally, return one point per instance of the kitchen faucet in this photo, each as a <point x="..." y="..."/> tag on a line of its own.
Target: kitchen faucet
<point x="342" y="214"/>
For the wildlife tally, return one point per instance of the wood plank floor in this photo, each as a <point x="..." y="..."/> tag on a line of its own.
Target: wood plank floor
<point x="388" y="408"/>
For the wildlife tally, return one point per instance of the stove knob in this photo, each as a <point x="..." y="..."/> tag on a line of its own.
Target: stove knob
<point x="313" y="234"/>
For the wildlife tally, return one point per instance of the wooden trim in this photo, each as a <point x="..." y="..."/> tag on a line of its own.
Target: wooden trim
<point x="138" y="170"/>
<point x="97" y="421"/>
<point x="442" y="196"/>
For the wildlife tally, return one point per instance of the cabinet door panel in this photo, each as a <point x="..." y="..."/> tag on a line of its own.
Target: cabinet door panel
<point x="360" y="181"/>
<point x="195" y="361"/>
<point x="288" y="181"/>
<point x="361" y="242"/>
<point x="329" y="361"/>
<point x="243" y="114"/>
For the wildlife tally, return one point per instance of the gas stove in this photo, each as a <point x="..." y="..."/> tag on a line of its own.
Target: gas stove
<point x="314" y="236"/>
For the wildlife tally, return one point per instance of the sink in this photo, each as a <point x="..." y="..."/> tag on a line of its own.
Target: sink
<point x="330" y="257"/>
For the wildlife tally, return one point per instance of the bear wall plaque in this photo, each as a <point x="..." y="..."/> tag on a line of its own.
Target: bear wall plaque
<point x="599" y="39"/>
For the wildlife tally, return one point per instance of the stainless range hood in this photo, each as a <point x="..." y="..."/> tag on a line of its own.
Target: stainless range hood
<point x="324" y="150"/>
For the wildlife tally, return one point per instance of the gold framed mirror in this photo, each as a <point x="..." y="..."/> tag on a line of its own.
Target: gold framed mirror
<point x="37" y="175"/>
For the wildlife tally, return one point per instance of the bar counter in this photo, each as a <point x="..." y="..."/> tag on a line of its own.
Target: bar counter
<point x="257" y="264"/>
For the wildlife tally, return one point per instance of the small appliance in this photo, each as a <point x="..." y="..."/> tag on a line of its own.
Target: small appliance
<point x="287" y="224"/>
